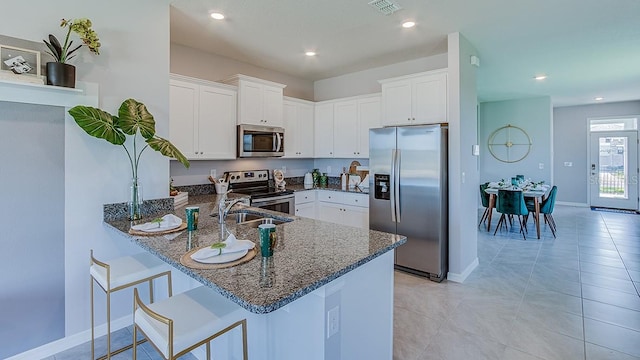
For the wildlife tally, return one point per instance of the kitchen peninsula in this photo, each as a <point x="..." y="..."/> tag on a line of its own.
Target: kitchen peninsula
<point x="317" y="268"/>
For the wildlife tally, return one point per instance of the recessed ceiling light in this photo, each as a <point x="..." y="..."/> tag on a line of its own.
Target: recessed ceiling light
<point x="310" y="53"/>
<point x="408" y="24"/>
<point x="598" y="98"/>
<point x="540" y="77"/>
<point x="217" y="16"/>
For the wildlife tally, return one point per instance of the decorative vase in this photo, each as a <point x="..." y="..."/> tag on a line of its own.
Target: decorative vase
<point x="135" y="200"/>
<point x="59" y="74"/>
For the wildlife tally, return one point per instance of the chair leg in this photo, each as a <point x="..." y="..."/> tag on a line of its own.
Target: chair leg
<point x="245" y="351"/>
<point x="109" y="324"/>
<point x="208" y="350"/>
<point x="93" y="355"/>
<point x="552" y="224"/>
<point x="502" y="219"/>
<point x="484" y="217"/>
<point x="135" y="342"/>
<point x="522" y="228"/>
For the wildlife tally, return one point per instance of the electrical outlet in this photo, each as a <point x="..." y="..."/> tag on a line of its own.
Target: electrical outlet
<point x="541" y="166"/>
<point x="284" y="169"/>
<point x="333" y="321"/>
<point x="568" y="164"/>
<point x="214" y="173"/>
<point x="328" y="169"/>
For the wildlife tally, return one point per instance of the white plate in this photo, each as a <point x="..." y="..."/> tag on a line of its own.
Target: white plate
<point x="152" y="230"/>
<point x="219" y="259"/>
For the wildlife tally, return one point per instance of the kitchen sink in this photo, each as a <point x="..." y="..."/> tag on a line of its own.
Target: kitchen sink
<point x="242" y="217"/>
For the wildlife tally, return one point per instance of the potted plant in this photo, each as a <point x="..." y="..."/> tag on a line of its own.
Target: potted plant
<point x="59" y="73"/>
<point x="133" y="117"/>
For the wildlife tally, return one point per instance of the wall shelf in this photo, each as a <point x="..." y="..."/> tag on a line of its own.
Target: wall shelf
<point x="28" y="93"/>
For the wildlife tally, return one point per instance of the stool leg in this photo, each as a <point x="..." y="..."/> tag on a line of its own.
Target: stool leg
<point x="244" y="340"/>
<point x="135" y="342"/>
<point x="109" y="323"/>
<point x="93" y="356"/>
<point x="209" y="350"/>
<point x="151" y="291"/>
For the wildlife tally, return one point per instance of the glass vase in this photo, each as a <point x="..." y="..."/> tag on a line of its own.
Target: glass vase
<point x="135" y="200"/>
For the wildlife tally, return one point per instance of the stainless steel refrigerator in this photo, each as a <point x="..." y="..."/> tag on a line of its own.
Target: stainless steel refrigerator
<point x="408" y="194"/>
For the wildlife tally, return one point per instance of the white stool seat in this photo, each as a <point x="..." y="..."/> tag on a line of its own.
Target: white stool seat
<point x="127" y="270"/>
<point x="197" y="314"/>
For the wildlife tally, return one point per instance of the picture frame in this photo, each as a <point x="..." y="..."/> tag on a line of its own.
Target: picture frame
<point x="19" y="64"/>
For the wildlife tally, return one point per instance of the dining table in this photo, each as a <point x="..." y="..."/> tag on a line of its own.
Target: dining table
<point x="535" y="191"/>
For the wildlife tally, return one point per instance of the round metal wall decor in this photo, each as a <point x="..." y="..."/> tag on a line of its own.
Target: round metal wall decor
<point x="509" y="144"/>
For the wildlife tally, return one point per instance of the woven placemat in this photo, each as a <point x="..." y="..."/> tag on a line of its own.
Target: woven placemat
<point x="144" y="233"/>
<point x="187" y="261"/>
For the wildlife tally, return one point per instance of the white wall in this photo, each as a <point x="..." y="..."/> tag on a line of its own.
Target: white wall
<point x="134" y="62"/>
<point x="463" y="166"/>
<point x="203" y="65"/>
<point x="570" y="131"/>
<point x="533" y="115"/>
<point x="366" y="81"/>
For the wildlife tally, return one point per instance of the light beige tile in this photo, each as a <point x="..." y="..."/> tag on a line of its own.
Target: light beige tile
<point x="544" y="343"/>
<point x="552" y="320"/>
<point x="611" y="336"/>
<point x="611" y="314"/>
<point x="595" y="352"/>
<point x="486" y="316"/>
<point x="454" y="343"/>
<point x="413" y="330"/>
<point x="515" y="354"/>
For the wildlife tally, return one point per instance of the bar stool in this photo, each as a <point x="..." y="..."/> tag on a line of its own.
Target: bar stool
<point x="181" y="323"/>
<point x="118" y="274"/>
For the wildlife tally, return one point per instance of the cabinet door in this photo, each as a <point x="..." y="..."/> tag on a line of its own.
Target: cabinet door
<point x="305" y="136"/>
<point x="291" y="138"/>
<point x="356" y="216"/>
<point x="250" y="103"/>
<point x="307" y="210"/>
<point x="183" y="117"/>
<point x="368" y="118"/>
<point x="396" y="98"/>
<point x="272" y="106"/>
<point x="323" y="131"/>
<point x="430" y="99"/>
<point x="217" y="123"/>
<point x="330" y="212"/>
<point x="345" y="129"/>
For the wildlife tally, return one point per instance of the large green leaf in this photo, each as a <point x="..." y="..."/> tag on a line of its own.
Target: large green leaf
<point x="98" y="123"/>
<point x="166" y="148"/>
<point x="132" y="116"/>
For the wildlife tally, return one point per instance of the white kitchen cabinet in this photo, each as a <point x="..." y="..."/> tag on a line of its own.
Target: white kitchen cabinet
<point x="415" y="99"/>
<point x="306" y="203"/>
<point x="298" y="125"/>
<point x="346" y="122"/>
<point x="323" y="130"/>
<point x="260" y="102"/>
<point x="202" y="118"/>
<point x="344" y="208"/>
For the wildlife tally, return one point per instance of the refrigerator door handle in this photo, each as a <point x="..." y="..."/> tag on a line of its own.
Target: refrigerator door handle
<point x="396" y="180"/>
<point x="392" y="184"/>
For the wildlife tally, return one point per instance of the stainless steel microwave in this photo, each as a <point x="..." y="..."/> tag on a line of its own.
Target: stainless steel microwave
<point x="260" y="141"/>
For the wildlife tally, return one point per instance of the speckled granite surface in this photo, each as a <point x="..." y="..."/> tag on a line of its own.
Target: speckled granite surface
<point x="120" y="211"/>
<point x="309" y="254"/>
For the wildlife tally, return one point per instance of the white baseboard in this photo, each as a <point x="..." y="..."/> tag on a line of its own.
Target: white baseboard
<point x="575" y="204"/>
<point x="459" y="278"/>
<point x="68" y="342"/>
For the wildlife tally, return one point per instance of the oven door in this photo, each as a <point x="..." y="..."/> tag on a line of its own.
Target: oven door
<point x="284" y="204"/>
<point x="260" y="141"/>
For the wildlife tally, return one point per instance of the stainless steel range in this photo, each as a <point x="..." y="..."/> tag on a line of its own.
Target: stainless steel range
<point x="256" y="184"/>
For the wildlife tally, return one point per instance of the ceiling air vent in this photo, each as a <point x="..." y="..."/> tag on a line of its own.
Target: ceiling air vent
<point x="386" y="7"/>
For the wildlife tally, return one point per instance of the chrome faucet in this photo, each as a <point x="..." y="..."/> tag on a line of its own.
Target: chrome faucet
<point x="224" y="206"/>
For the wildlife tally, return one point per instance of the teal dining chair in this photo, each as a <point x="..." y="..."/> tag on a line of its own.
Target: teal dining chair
<point x="485" y="202"/>
<point x="510" y="203"/>
<point x="546" y="209"/>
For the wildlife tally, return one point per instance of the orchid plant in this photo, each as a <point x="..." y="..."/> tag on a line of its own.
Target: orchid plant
<point x="66" y="51"/>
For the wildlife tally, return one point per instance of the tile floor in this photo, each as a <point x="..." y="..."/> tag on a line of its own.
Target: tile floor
<point x="574" y="297"/>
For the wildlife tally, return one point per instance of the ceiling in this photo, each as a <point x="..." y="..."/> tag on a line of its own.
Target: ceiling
<point x="587" y="48"/>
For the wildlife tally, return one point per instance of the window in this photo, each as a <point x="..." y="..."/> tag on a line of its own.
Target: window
<point x="613" y="124"/>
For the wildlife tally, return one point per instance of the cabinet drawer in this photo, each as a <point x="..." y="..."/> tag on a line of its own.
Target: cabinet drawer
<point x="303" y="197"/>
<point x="330" y="196"/>
<point x="361" y="200"/>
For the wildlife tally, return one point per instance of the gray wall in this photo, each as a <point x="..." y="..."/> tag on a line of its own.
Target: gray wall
<point x="366" y="81"/>
<point x="32" y="222"/>
<point x="203" y="65"/>
<point x="570" y="130"/>
<point x="533" y="116"/>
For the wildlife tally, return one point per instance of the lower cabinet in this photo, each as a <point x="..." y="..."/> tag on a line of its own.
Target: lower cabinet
<point x="306" y="203"/>
<point x="344" y="208"/>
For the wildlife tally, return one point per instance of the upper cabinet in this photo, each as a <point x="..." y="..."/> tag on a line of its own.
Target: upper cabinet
<point x="260" y="102"/>
<point x="415" y="99"/>
<point x="202" y="118"/>
<point x="298" y="126"/>
<point x="342" y="126"/>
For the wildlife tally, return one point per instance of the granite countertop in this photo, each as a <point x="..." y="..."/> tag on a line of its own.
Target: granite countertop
<point x="330" y="187"/>
<point x="309" y="254"/>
